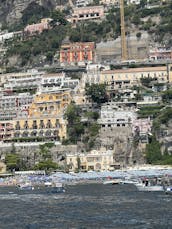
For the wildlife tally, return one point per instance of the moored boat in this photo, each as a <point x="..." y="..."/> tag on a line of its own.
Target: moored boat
<point x="168" y="190"/>
<point x="26" y="187"/>
<point x="56" y="188"/>
<point x="112" y="181"/>
<point x="147" y="186"/>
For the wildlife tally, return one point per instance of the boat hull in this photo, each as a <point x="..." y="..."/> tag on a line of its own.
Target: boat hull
<point x="168" y="190"/>
<point x="151" y="188"/>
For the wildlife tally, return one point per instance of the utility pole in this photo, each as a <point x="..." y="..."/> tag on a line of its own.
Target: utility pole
<point x="124" y="55"/>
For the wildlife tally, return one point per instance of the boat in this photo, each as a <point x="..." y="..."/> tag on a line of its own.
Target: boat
<point x="26" y="187"/>
<point x="147" y="186"/>
<point x="112" y="181"/>
<point x="129" y="182"/>
<point x="56" y="188"/>
<point x="168" y="190"/>
<point x="45" y="189"/>
<point x="48" y="184"/>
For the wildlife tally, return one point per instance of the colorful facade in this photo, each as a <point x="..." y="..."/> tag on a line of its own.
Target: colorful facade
<point x="39" y="129"/>
<point x="50" y="104"/>
<point x="78" y="53"/>
<point x="44" y="121"/>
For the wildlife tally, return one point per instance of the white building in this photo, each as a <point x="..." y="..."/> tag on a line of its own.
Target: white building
<point x="149" y="100"/>
<point x="18" y="77"/>
<point x="6" y="36"/>
<point x="58" y="80"/>
<point x="115" y="3"/>
<point x="116" y="116"/>
<point x="83" y="3"/>
<point x="136" y="2"/>
<point x="92" y="76"/>
<point x="24" y="82"/>
<point x="13" y="106"/>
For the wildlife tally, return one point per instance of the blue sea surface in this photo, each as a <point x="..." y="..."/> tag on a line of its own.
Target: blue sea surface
<point x="86" y="206"/>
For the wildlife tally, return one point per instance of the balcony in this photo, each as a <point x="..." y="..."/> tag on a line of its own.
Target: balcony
<point x="17" y="127"/>
<point x="26" y="126"/>
<point x="49" y="125"/>
<point x="34" y="127"/>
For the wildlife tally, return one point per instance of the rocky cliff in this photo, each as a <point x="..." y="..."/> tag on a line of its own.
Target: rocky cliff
<point x="12" y="10"/>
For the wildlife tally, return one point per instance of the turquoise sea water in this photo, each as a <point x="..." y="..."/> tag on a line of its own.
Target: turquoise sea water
<point x="86" y="206"/>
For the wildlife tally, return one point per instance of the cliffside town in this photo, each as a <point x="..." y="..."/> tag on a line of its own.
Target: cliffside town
<point x="69" y="101"/>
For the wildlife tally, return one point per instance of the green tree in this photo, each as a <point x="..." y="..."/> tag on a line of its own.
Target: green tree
<point x="146" y="81"/>
<point x="97" y="93"/>
<point x="92" y="115"/>
<point x="153" y="151"/>
<point x="143" y="3"/>
<point x="167" y="96"/>
<point x="75" y="127"/>
<point x="33" y="13"/>
<point x="13" y="161"/>
<point x="78" y="163"/>
<point x="58" y="18"/>
<point x="138" y="35"/>
<point x="46" y="165"/>
<point x="94" y="129"/>
<point x="45" y="152"/>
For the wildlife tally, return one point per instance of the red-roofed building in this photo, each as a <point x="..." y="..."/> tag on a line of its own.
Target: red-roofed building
<point x="78" y="53"/>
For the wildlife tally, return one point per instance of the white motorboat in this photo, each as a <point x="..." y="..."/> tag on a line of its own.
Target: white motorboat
<point x="112" y="181"/>
<point x="57" y="188"/>
<point x="48" y="184"/>
<point x="168" y="190"/>
<point x="26" y="187"/>
<point x="146" y="186"/>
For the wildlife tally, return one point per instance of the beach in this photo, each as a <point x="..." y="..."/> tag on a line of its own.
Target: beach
<point x="88" y="177"/>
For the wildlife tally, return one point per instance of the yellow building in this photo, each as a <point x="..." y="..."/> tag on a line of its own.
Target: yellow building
<point x="37" y="129"/>
<point x="95" y="160"/>
<point x="53" y="104"/>
<point x="123" y="78"/>
<point x="169" y="71"/>
<point x="2" y="167"/>
<point x="45" y="120"/>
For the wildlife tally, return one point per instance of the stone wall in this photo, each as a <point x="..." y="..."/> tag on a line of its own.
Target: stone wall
<point x="31" y="152"/>
<point x="111" y="50"/>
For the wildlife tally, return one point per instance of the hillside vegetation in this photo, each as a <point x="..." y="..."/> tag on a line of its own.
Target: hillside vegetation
<point x="157" y="21"/>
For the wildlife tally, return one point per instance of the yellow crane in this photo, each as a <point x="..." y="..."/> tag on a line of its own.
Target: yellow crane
<point x="124" y="54"/>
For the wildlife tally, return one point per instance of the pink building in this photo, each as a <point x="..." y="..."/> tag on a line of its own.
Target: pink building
<point x="37" y="28"/>
<point x="87" y="13"/>
<point x="142" y="126"/>
<point x="160" y="54"/>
